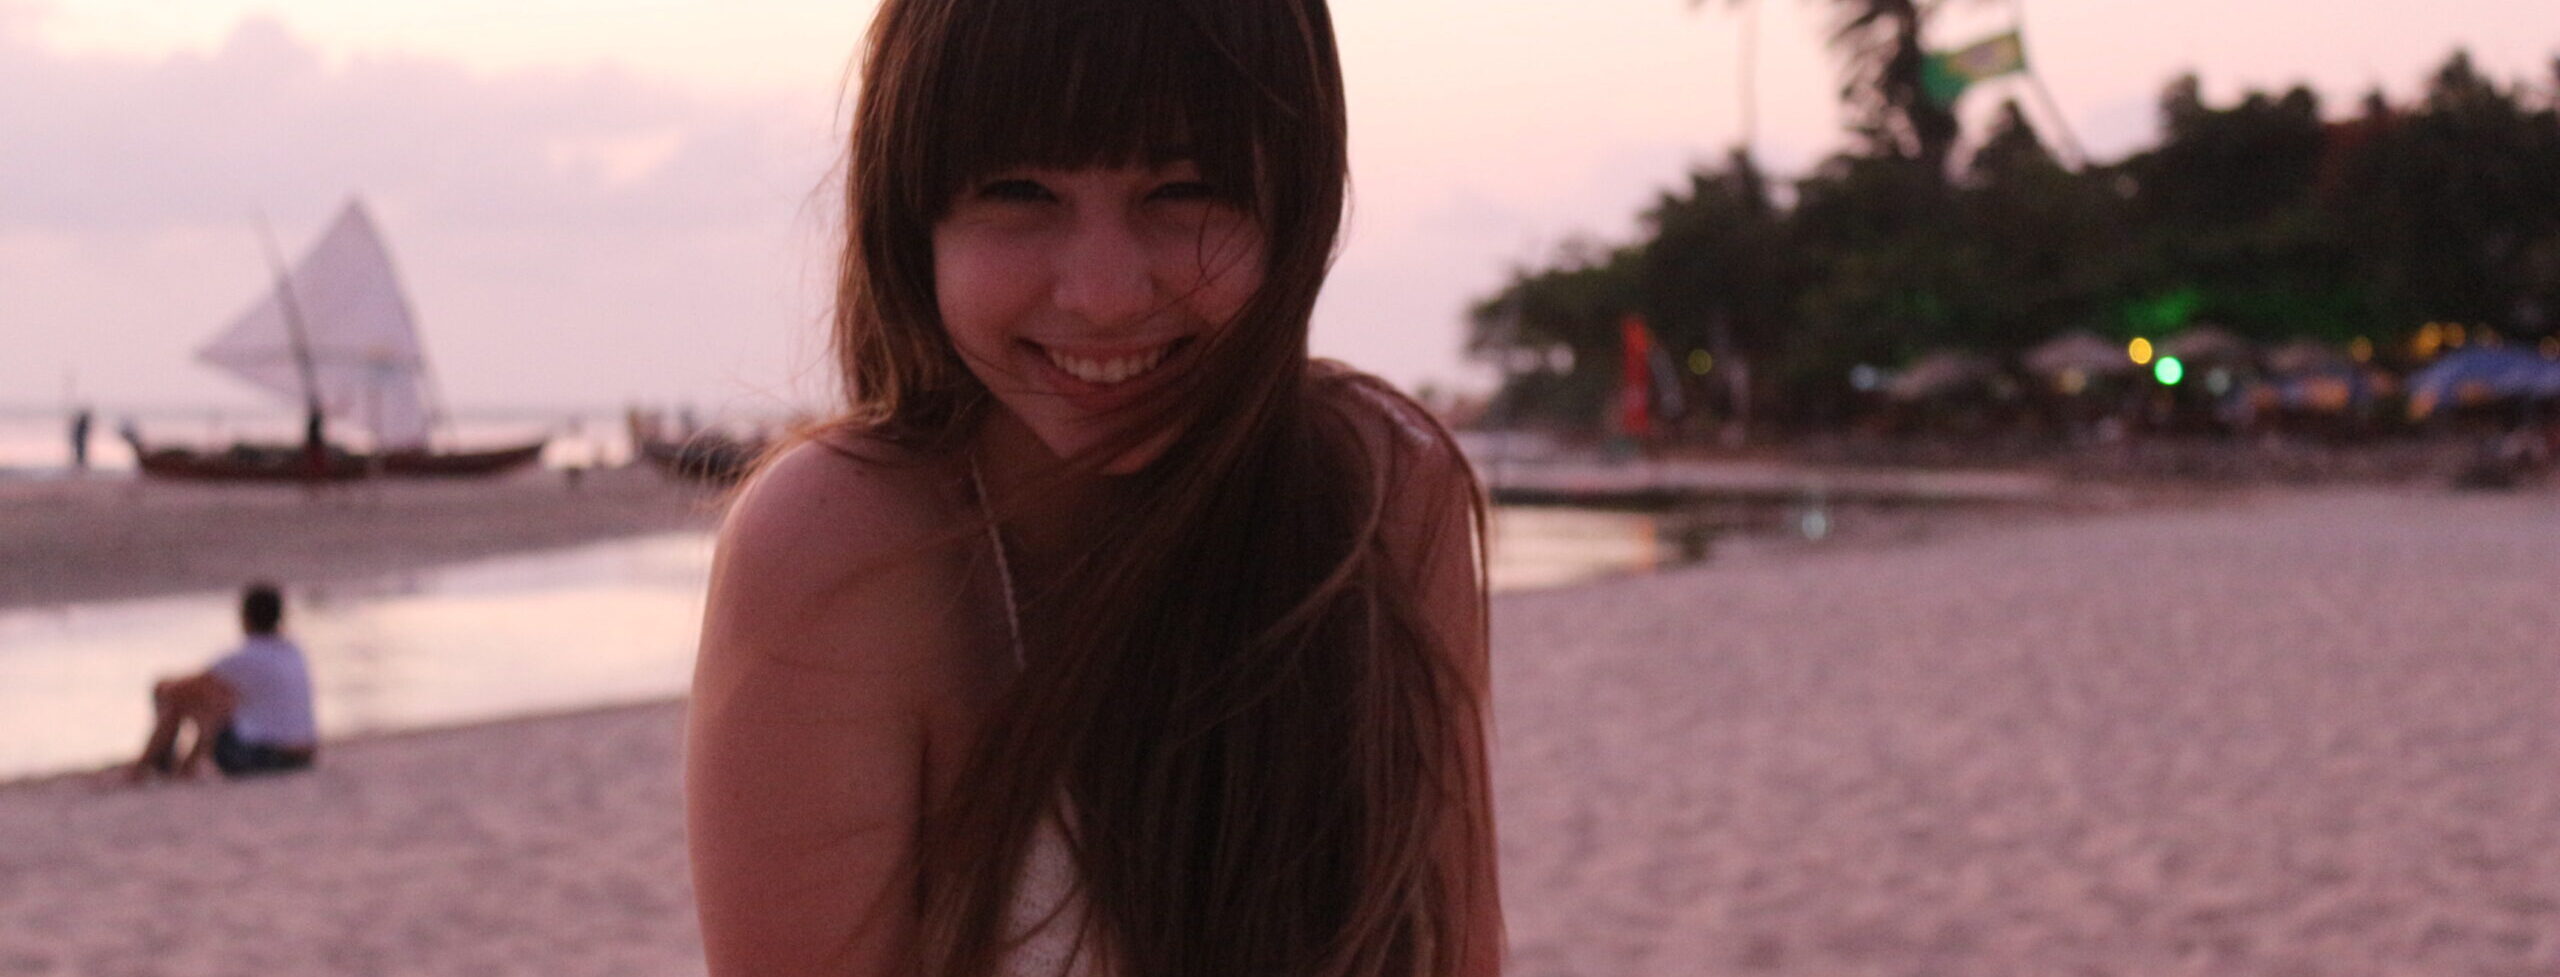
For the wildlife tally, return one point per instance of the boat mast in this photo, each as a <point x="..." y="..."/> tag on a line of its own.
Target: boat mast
<point x="315" y="435"/>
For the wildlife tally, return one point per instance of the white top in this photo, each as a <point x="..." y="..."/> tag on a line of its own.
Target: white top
<point x="274" y="687"/>
<point x="1047" y="920"/>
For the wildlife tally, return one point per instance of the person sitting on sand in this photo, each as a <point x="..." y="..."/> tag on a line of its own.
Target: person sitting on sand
<point x="251" y="709"/>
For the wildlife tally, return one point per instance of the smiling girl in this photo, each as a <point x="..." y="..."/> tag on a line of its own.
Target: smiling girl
<point x="1104" y="633"/>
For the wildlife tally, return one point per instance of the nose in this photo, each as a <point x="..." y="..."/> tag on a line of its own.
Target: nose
<point x="1105" y="274"/>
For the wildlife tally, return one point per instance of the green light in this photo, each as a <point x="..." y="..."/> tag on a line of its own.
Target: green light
<point x="2168" y="371"/>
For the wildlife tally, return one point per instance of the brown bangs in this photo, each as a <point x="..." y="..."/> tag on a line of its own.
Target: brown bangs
<point x="1066" y="85"/>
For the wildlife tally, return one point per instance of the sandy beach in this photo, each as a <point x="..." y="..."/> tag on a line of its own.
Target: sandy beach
<point x="107" y="538"/>
<point x="2304" y="732"/>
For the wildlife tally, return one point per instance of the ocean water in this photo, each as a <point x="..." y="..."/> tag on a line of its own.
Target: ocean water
<point x="518" y="635"/>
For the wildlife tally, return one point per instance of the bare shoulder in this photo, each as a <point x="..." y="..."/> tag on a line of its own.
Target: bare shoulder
<point x="1426" y="497"/>
<point x="833" y="540"/>
<point x="833" y="500"/>
<point x="1400" y="436"/>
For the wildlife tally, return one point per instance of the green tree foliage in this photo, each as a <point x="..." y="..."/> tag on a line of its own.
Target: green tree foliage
<point x="2264" y="216"/>
<point x="1879" y="41"/>
<point x="2452" y="207"/>
<point x="1881" y="66"/>
<point x="2230" y="229"/>
<point x="1554" y="332"/>
<point x="1717" y="270"/>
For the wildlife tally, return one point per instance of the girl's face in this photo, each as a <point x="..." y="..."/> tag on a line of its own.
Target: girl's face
<point x="1076" y="294"/>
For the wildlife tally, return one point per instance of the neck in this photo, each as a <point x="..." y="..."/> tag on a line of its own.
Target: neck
<point x="1050" y="514"/>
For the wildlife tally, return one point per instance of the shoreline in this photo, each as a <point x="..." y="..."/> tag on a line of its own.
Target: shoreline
<point x="98" y="539"/>
<point x="77" y="540"/>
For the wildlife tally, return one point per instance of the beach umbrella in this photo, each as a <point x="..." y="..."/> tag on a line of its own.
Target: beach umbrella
<point x="2329" y="389"/>
<point x="2306" y="356"/>
<point x="1942" y="373"/>
<point x="2481" y="375"/>
<point x="2081" y="351"/>
<point x="2206" y="344"/>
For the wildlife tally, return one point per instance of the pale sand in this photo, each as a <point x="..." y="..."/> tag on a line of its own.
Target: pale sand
<point x="103" y="538"/>
<point x="2313" y="734"/>
<point x="535" y="847"/>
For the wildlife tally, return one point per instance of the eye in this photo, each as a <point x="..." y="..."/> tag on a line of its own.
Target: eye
<point x="1015" y="191"/>
<point x="1185" y="190"/>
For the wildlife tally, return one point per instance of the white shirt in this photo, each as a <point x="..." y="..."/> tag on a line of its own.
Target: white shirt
<point x="1046" y="924"/>
<point x="274" y="687"/>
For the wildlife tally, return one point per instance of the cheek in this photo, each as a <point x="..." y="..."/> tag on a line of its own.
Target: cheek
<point x="1226" y="290"/>
<point x="976" y="287"/>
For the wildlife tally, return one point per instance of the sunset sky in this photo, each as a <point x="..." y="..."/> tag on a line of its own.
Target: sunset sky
<point x="600" y="201"/>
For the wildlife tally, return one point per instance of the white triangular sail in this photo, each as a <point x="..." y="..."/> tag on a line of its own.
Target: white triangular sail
<point x="365" y="357"/>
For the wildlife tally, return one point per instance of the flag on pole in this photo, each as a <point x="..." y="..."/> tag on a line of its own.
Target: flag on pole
<point x="1944" y="75"/>
<point x="1635" y="377"/>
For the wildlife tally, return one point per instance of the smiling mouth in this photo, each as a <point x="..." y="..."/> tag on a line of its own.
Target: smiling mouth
<point x="1117" y="367"/>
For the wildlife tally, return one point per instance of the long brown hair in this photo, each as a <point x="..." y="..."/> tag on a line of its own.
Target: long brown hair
<point x="1257" y="744"/>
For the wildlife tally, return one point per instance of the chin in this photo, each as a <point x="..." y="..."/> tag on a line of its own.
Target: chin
<point x="1136" y="459"/>
<point x="1068" y="442"/>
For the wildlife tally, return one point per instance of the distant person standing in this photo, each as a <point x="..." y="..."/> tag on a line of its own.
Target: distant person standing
<point x="251" y="710"/>
<point x="315" y="444"/>
<point x="80" y="439"/>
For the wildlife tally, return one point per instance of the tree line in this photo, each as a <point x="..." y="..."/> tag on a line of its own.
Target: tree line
<point x="2270" y="217"/>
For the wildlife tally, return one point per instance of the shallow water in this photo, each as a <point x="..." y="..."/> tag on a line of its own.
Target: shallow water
<point x="1533" y="547"/>
<point x="596" y="625"/>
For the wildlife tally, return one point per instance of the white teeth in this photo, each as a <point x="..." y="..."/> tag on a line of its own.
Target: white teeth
<point x="1108" y="371"/>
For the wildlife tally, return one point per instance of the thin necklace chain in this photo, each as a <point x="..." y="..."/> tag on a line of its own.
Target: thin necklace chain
<point x="1004" y="567"/>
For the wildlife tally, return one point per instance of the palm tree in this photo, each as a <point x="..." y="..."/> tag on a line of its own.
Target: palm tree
<point x="1879" y="45"/>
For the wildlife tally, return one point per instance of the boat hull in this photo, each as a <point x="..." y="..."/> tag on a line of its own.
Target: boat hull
<point x="460" y="464"/>
<point x="248" y="463"/>
<point x="289" y="463"/>
<point x="709" y="458"/>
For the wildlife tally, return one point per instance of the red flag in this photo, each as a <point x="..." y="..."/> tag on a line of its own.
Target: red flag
<point x="1635" y="378"/>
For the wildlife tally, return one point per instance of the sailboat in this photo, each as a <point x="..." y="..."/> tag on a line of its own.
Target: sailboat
<point x="335" y="337"/>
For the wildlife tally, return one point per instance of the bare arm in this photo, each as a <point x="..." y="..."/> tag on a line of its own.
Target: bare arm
<point x="806" y="731"/>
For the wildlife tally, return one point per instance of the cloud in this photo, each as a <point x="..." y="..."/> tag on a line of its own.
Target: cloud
<point x="567" y="236"/>
<point x="267" y="120"/>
